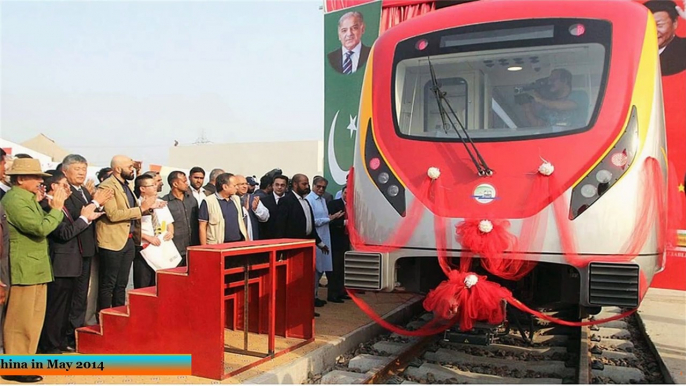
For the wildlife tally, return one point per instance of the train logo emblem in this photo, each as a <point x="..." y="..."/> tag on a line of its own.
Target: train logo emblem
<point x="484" y="194"/>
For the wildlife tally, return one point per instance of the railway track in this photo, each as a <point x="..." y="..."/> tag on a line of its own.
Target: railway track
<point x="612" y="353"/>
<point x="619" y="352"/>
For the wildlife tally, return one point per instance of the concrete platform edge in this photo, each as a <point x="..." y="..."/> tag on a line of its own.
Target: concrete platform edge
<point x="315" y="361"/>
<point x="663" y="367"/>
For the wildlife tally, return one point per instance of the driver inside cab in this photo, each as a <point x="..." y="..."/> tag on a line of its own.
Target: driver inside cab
<point x="556" y="104"/>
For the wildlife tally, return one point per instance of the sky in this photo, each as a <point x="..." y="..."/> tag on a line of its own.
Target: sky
<point x="131" y="77"/>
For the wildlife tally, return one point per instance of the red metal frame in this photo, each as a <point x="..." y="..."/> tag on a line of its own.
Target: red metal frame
<point x="188" y="311"/>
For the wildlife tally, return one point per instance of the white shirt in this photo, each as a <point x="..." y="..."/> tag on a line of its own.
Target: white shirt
<point x="308" y="213"/>
<point x="261" y="212"/>
<point x="199" y="195"/>
<point x="277" y="198"/>
<point x="355" y="56"/>
<point x="164" y="217"/>
<point x="4" y="187"/>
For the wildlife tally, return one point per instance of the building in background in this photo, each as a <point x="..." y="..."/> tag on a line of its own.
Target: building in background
<point x="255" y="158"/>
<point x="46" y="146"/>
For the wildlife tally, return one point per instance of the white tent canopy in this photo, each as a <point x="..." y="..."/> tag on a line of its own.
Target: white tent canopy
<point x="13" y="148"/>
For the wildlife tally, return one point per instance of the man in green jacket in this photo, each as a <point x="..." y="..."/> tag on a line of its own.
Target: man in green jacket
<point x="30" y="267"/>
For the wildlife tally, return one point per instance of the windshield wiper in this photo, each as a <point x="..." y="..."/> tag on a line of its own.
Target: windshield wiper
<point x="481" y="166"/>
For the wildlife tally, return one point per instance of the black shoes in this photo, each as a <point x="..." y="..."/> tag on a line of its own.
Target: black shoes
<point x="316" y="314"/>
<point x="23" y="378"/>
<point x="345" y="297"/>
<point x="319" y="303"/>
<point x="68" y="348"/>
<point x="335" y="300"/>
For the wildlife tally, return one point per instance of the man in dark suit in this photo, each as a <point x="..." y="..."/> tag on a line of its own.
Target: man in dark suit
<point x="353" y="54"/>
<point x="340" y="243"/>
<point x="672" y="48"/>
<point x="75" y="169"/>
<point x="295" y="218"/>
<point x="277" y="189"/>
<point x="66" y="256"/>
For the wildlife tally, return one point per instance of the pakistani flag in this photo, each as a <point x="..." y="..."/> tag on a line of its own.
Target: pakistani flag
<point x="349" y="35"/>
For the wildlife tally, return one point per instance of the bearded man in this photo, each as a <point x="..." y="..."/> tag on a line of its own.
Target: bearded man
<point x="119" y="231"/>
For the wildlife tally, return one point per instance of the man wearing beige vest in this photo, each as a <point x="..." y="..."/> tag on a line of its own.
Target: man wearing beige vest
<point x="118" y="232"/>
<point x="221" y="215"/>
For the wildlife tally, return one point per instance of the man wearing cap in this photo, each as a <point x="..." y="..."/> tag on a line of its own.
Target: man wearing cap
<point x="30" y="267"/>
<point x="252" y="184"/>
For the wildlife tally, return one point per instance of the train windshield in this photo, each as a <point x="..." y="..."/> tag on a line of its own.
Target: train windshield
<point x="501" y="83"/>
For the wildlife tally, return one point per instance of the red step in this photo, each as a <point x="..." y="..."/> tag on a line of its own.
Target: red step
<point x="146" y="291"/>
<point x="94" y="329"/>
<point x="121" y="311"/>
<point x="175" y="271"/>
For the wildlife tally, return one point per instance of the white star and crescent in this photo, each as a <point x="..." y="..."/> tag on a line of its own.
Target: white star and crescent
<point x="352" y="126"/>
<point x="339" y="175"/>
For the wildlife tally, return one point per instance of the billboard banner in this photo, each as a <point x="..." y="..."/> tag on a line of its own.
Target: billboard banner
<point x="348" y="37"/>
<point x="670" y="21"/>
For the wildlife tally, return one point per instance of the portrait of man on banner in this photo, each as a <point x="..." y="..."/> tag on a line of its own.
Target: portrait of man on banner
<point x="672" y="47"/>
<point x="352" y="54"/>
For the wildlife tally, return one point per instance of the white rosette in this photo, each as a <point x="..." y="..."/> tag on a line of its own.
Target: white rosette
<point x="546" y="168"/>
<point x="485" y="226"/>
<point x="433" y="173"/>
<point x="470" y="281"/>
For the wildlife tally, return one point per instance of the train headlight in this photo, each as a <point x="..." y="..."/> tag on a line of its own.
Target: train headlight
<point x="608" y="171"/>
<point x="379" y="171"/>
<point x="588" y="190"/>
<point x="620" y="159"/>
<point x="383" y="177"/>
<point x="603" y="176"/>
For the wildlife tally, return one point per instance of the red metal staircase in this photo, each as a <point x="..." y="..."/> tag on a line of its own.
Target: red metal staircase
<point x="190" y="308"/>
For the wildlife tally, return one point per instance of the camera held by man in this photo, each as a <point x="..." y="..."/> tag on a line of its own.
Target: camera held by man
<point x="552" y="102"/>
<point x="521" y="92"/>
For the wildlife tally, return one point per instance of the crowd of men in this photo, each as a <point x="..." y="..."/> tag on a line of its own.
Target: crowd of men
<point x="56" y="224"/>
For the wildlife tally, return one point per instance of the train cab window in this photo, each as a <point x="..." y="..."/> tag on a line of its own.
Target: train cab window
<point x="550" y="85"/>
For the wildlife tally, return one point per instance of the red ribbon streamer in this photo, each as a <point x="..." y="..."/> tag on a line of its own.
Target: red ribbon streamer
<point x="453" y="302"/>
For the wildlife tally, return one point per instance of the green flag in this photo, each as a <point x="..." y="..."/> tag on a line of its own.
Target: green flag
<point x="349" y="35"/>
